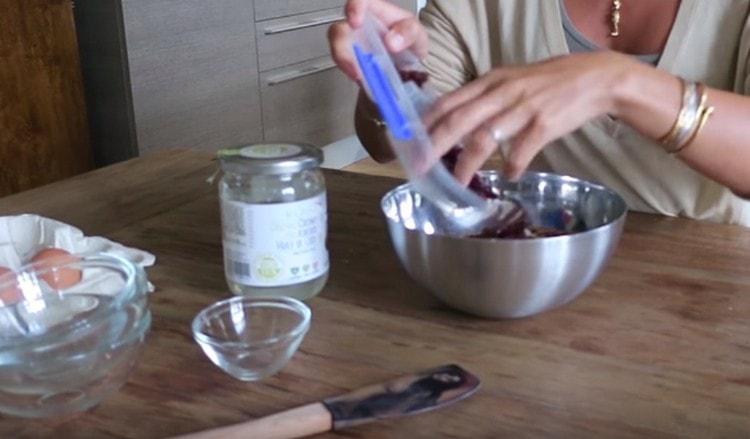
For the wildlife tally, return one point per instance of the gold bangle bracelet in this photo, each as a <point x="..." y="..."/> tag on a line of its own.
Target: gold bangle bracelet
<point x="689" y="118"/>
<point x="697" y="106"/>
<point x="679" y="120"/>
<point x="705" y="115"/>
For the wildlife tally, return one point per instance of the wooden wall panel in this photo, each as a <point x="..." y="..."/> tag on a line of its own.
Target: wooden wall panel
<point x="43" y="127"/>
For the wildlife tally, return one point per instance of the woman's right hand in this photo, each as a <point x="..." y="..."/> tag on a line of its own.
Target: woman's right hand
<point x="404" y="32"/>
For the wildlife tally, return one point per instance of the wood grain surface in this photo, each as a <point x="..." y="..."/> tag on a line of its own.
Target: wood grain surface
<point x="43" y="127"/>
<point x="659" y="346"/>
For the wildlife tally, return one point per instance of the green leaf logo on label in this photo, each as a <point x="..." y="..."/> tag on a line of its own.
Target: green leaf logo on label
<point x="267" y="268"/>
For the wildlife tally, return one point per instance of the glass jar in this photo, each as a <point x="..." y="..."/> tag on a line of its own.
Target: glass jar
<point x="274" y="220"/>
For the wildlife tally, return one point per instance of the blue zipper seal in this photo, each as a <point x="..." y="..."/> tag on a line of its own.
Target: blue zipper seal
<point x="384" y="95"/>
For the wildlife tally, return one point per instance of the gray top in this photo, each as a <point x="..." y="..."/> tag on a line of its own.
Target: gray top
<point x="578" y="43"/>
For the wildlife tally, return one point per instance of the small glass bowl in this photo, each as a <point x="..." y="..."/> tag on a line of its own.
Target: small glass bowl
<point x="251" y="338"/>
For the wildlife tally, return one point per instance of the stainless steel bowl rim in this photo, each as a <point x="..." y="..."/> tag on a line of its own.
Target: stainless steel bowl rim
<point x="407" y="187"/>
<point x="291" y="303"/>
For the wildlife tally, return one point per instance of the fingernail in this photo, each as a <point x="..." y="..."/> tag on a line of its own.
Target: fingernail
<point x="396" y="41"/>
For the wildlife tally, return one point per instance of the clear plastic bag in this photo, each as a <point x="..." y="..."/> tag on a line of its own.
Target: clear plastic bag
<point x="402" y="105"/>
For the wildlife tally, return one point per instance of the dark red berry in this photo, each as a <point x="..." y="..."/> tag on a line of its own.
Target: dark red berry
<point x="414" y="76"/>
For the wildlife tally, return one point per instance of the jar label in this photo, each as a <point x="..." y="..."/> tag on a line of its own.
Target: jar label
<point x="269" y="245"/>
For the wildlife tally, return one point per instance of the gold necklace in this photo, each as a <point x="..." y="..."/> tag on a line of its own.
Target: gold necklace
<point x="615" y="18"/>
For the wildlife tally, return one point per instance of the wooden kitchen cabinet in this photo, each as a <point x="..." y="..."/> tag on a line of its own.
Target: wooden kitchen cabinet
<point x="212" y="74"/>
<point x="43" y="128"/>
<point x="303" y="96"/>
<point x="289" y="94"/>
<point x="265" y="9"/>
<point x="290" y="40"/>
<point x="192" y="73"/>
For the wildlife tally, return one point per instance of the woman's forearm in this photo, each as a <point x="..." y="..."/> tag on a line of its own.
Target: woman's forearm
<point x="649" y="100"/>
<point x="372" y="134"/>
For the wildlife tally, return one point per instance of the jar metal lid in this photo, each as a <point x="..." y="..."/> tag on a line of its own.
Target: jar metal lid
<point x="270" y="158"/>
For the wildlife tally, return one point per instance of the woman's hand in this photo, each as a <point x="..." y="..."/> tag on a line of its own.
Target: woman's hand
<point x="404" y="32"/>
<point x="529" y="106"/>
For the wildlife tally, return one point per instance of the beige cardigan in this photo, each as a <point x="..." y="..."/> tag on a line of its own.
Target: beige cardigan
<point x="709" y="42"/>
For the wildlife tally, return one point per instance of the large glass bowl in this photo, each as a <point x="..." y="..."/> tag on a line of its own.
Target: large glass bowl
<point x="64" y="348"/>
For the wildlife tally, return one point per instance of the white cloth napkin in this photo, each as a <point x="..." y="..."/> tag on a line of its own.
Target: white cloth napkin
<point x="23" y="236"/>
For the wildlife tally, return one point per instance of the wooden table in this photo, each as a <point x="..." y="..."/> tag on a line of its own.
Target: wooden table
<point x="659" y="346"/>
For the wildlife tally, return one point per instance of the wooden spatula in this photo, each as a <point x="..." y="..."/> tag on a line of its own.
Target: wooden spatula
<point x="407" y="395"/>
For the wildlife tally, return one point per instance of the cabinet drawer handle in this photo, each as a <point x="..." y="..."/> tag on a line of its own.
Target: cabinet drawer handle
<point x="300" y="73"/>
<point x="303" y="24"/>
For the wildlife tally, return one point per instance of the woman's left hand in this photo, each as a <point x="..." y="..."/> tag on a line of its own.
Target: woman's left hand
<point x="528" y="106"/>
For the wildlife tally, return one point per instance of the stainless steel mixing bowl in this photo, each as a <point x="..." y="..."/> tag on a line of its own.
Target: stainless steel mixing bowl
<point x="510" y="278"/>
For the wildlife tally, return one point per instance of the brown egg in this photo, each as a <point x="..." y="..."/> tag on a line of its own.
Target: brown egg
<point x="57" y="278"/>
<point x="9" y="295"/>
